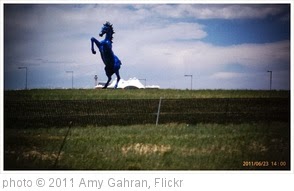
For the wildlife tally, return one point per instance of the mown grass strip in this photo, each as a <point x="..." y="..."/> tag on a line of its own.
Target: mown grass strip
<point x="86" y="94"/>
<point x="26" y="113"/>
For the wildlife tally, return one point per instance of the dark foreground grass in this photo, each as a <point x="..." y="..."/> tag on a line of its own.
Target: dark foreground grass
<point x="258" y="146"/>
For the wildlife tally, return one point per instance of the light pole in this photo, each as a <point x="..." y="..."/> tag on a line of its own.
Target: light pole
<point x="71" y="78"/>
<point x="96" y="78"/>
<point x="271" y="78"/>
<point x="26" y="68"/>
<point x="191" y="79"/>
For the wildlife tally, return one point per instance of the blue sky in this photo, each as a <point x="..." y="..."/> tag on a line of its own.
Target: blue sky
<point x="224" y="46"/>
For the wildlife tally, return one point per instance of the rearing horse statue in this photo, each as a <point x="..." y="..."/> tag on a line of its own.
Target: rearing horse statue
<point x="112" y="63"/>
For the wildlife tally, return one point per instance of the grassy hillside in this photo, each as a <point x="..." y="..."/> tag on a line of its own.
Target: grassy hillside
<point x="84" y="94"/>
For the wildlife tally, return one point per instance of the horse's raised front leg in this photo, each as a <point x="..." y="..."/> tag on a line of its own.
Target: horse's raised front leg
<point x="94" y="40"/>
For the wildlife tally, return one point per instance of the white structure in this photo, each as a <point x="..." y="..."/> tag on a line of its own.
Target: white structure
<point x="132" y="83"/>
<point x="152" y="87"/>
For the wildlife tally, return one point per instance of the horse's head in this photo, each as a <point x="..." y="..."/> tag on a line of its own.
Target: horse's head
<point x="107" y="28"/>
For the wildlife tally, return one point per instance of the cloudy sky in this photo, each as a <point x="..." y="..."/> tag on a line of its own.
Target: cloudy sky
<point x="224" y="46"/>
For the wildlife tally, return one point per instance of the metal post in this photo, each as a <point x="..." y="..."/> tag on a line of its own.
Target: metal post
<point x="26" y="68"/>
<point x="191" y="76"/>
<point x="62" y="144"/>
<point x="96" y="78"/>
<point x="158" y="111"/>
<point x="271" y="78"/>
<point x="71" y="78"/>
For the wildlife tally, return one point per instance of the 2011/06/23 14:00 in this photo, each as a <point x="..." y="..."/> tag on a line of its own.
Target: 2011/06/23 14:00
<point x="265" y="163"/>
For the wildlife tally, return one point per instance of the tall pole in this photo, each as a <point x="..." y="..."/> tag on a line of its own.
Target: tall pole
<point x="96" y="78"/>
<point x="271" y="78"/>
<point x="26" y="68"/>
<point x="71" y="78"/>
<point x="191" y="76"/>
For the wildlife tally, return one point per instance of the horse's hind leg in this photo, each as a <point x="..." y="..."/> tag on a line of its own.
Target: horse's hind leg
<point x="118" y="78"/>
<point x="105" y="86"/>
<point x="109" y="78"/>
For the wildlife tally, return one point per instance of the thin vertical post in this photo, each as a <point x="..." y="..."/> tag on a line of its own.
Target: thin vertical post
<point x="158" y="111"/>
<point x="26" y="68"/>
<point x="71" y="78"/>
<point x="63" y="143"/>
<point x="191" y="76"/>
<point x="26" y="78"/>
<point x="96" y="78"/>
<point x="271" y="78"/>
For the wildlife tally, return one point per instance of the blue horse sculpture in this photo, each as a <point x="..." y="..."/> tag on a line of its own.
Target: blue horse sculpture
<point x="112" y="63"/>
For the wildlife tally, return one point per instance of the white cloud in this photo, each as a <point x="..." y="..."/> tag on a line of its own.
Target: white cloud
<point x="149" y="40"/>
<point x="211" y="11"/>
<point x="238" y="12"/>
<point x="226" y="75"/>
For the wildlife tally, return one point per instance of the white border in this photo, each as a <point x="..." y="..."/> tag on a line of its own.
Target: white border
<point x="194" y="180"/>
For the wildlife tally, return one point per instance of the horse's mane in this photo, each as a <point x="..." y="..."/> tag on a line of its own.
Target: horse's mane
<point x="109" y="25"/>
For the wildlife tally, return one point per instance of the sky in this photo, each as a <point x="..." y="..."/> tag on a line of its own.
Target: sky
<point x="223" y="46"/>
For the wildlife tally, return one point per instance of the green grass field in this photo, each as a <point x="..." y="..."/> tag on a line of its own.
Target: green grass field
<point x="78" y="94"/>
<point x="30" y="142"/>
<point x="150" y="147"/>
